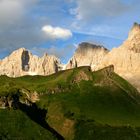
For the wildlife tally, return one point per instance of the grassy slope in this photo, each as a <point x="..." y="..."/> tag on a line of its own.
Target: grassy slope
<point x="105" y="107"/>
<point x="15" y="125"/>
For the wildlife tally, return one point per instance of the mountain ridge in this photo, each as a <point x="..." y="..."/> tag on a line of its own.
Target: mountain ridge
<point x="22" y="62"/>
<point x="125" y="58"/>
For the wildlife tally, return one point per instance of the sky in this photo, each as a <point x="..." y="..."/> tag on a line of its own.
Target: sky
<point x="57" y="26"/>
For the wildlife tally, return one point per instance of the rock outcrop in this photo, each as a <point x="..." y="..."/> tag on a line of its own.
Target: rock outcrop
<point x="24" y="96"/>
<point x="126" y="58"/>
<point x="87" y="54"/>
<point x="22" y="62"/>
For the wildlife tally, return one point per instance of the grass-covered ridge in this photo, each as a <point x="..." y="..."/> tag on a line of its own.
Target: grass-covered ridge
<point x="82" y="105"/>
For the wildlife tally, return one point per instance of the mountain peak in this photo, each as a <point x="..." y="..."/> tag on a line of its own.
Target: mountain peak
<point x="136" y="26"/>
<point x="87" y="54"/>
<point x="133" y="40"/>
<point x="21" y="49"/>
<point x="19" y="52"/>
<point x="21" y="62"/>
<point x="135" y="31"/>
<point x="87" y="45"/>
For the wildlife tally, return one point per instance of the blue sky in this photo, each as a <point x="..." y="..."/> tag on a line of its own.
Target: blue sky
<point x="58" y="26"/>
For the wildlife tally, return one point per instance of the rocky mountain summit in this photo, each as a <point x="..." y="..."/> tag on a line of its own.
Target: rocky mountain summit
<point x="22" y="62"/>
<point x="87" y="54"/>
<point x="133" y="41"/>
<point x="126" y="58"/>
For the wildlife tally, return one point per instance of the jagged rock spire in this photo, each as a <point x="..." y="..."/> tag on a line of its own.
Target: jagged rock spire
<point x="133" y="40"/>
<point x="135" y="31"/>
<point x="22" y="62"/>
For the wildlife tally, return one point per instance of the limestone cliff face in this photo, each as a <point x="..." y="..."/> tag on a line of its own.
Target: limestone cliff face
<point x="87" y="55"/>
<point x="22" y="62"/>
<point x="126" y="58"/>
<point x="133" y="41"/>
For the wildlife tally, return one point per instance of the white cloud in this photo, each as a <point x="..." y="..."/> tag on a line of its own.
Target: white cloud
<point x="56" y="32"/>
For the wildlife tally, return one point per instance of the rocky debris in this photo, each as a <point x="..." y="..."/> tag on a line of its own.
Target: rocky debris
<point x="106" y="77"/>
<point x="3" y="102"/>
<point x="107" y="71"/>
<point x="22" y="62"/>
<point x="34" y="97"/>
<point x="81" y="76"/>
<point x="87" y="54"/>
<point x="29" y="96"/>
<point x="6" y="102"/>
<point x="23" y="95"/>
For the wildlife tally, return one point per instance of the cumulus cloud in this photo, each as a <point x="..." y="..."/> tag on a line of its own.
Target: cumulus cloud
<point x="56" y="32"/>
<point x="89" y="9"/>
<point x="21" y="24"/>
